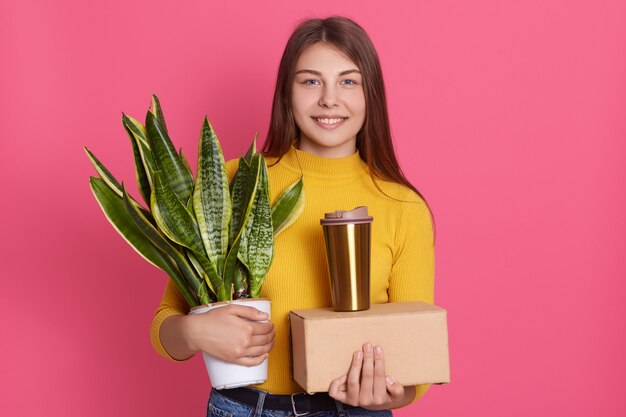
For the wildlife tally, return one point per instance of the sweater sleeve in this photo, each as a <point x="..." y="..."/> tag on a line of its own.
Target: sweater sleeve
<point x="412" y="272"/>
<point x="173" y="303"/>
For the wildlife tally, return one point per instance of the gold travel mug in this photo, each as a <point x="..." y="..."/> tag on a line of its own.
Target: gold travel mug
<point x="347" y="238"/>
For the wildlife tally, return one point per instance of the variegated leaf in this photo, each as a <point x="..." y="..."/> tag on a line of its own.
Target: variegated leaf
<point x="245" y="183"/>
<point x="251" y="151"/>
<point x="156" y="109"/>
<point x="115" y="210"/>
<point x="185" y="161"/>
<point x="212" y="205"/>
<point x="243" y="195"/>
<point x="111" y="181"/>
<point x="167" y="159"/>
<point x="139" y="134"/>
<point x="240" y="280"/>
<point x="256" y="248"/>
<point x="201" y="272"/>
<point x="288" y="206"/>
<point x="140" y="171"/>
<point x="137" y="129"/>
<point x="192" y="281"/>
<point x="172" y="216"/>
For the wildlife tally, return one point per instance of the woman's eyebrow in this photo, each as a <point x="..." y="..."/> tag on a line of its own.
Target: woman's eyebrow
<point x="309" y="71"/>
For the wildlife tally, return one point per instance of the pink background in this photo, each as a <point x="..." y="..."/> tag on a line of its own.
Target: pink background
<point x="508" y="115"/>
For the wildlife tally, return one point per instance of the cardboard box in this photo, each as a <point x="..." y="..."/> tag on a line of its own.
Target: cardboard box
<point x="414" y="337"/>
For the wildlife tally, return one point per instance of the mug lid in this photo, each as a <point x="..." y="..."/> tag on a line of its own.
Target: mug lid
<point x="355" y="216"/>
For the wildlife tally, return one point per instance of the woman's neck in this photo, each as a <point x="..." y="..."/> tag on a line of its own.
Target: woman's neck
<point x="340" y="151"/>
<point x="330" y="168"/>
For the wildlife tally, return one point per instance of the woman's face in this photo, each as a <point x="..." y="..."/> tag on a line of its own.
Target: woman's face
<point x="328" y="102"/>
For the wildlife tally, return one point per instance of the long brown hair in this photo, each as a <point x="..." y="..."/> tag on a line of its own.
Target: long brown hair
<point x="374" y="139"/>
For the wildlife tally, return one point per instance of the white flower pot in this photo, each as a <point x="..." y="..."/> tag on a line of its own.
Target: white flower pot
<point x="230" y="375"/>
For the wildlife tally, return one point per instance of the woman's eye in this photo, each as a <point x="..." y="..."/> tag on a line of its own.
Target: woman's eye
<point x="311" y="82"/>
<point x="348" y="82"/>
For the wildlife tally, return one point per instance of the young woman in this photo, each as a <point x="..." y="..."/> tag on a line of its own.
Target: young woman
<point x="330" y="124"/>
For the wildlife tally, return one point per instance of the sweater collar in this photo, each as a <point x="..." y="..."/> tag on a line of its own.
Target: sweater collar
<point x="331" y="168"/>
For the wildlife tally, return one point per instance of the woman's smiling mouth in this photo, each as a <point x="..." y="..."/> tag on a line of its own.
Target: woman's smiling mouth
<point x="328" y="122"/>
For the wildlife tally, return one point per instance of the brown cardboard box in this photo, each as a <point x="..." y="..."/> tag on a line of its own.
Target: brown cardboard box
<point x="414" y="337"/>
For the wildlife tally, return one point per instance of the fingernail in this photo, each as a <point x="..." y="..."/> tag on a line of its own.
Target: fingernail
<point x="368" y="347"/>
<point x="358" y="355"/>
<point x="378" y="349"/>
<point x="389" y="380"/>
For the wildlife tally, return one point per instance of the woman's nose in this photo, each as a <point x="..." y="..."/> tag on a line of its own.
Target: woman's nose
<point x="329" y="97"/>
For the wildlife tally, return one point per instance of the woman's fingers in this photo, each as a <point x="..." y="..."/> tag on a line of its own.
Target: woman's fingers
<point x="259" y="350"/>
<point x="338" y="389"/>
<point x="251" y="360"/>
<point x="247" y="312"/>
<point x="234" y="333"/>
<point x="262" y="327"/>
<point x="353" y="382"/>
<point x="367" y="374"/>
<point x="380" y="384"/>
<point x="261" y="339"/>
<point x="366" y="383"/>
<point x="395" y="390"/>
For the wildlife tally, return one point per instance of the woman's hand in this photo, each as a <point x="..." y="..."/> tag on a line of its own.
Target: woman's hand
<point x="235" y="333"/>
<point x="367" y="385"/>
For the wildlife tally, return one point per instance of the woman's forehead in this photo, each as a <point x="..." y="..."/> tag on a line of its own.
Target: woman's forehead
<point x="324" y="58"/>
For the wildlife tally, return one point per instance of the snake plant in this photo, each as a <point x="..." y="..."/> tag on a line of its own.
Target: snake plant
<point x="212" y="236"/>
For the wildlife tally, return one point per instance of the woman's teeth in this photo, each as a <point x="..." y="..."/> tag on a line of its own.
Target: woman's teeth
<point x="330" y="121"/>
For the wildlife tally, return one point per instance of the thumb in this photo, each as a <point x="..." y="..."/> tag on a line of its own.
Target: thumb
<point x="396" y="391"/>
<point x="249" y="313"/>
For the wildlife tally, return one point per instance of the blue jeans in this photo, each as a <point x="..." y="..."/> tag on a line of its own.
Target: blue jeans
<point x="220" y="406"/>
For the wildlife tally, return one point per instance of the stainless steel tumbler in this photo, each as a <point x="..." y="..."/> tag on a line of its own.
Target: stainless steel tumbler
<point x="347" y="238"/>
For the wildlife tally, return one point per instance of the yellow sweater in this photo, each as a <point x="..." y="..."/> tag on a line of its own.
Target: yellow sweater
<point x="402" y="258"/>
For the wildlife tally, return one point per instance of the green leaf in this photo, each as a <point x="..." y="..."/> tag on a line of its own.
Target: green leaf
<point x="256" y="248"/>
<point x="239" y="281"/>
<point x="139" y="134"/>
<point x="135" y="127"/>
<point x="167" y="160"/>
<point x="212" y="204"/>
<point x="104" y="173"/>
<point x="201" y="272"/>
<point x="243" y="194"/>
<point x="244" y="186"/>
<point x="251" y="151"/>
<point x="203" y="293"/>
<point x="111" y="181"/>
<point x="190" y="208"/>
<point x="140" y="170"/>
<point x="288" y="206"/>
<point x="156" y="109"/>
<point x="179" y="225"/>
<point x="185" y="161"/>
<point x="246" y="160"/>
<point x="114" y="209"/>
<point x="191" y="279"/>
<point x="172" y="216"/>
